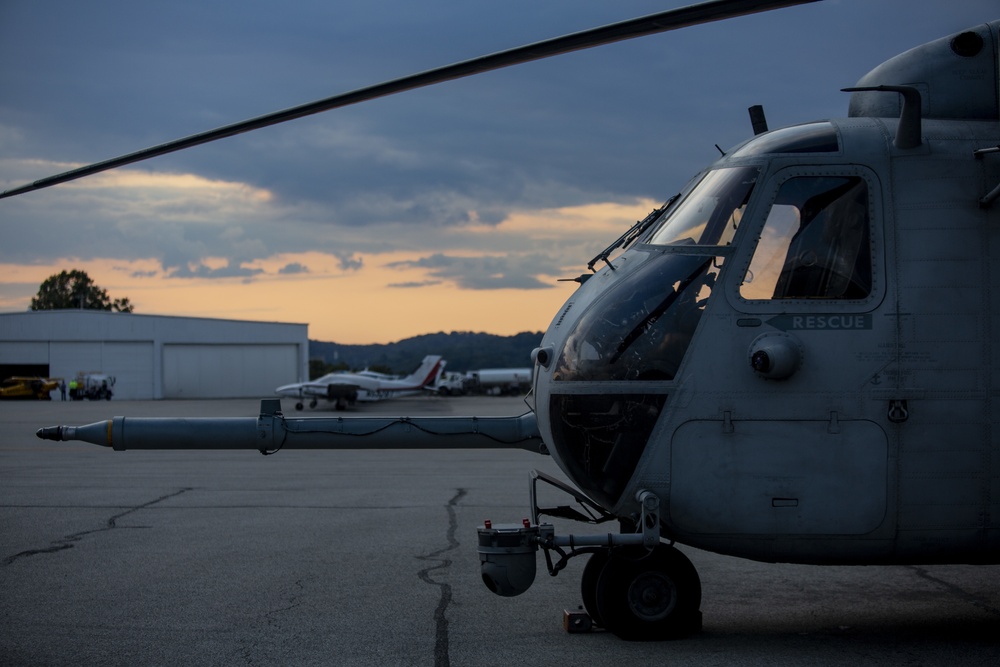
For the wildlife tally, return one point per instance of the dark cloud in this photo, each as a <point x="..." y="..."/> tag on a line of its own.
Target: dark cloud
<point x="415" y="284"/>
<point x="485" y="273"/>
<point x="626" y="121"/>
<point x="293" y="269"/>
<point x="201" y="271"/>
<point x="350" y="262"/>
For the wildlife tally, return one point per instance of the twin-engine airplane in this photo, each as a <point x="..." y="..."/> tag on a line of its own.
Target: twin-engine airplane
<point x="791" y="360"/>
<point x="345" y="389"/>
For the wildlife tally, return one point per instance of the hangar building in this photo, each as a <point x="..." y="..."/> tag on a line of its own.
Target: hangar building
<point x="156" y="356"/>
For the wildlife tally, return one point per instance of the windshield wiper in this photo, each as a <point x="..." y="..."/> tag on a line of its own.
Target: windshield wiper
<point x="647" y="322"/>
<point x="634" y="232"/>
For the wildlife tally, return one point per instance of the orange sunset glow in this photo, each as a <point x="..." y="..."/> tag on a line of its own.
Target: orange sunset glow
<point x="384" y="300"/>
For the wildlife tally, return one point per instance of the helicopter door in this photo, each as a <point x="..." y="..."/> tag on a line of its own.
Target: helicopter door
<point x="790" y="448"/>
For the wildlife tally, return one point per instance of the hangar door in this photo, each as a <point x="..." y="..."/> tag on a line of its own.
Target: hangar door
<point x="227" y="371"/>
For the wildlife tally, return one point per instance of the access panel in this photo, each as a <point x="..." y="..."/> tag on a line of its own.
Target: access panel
<point x="778" y="477"/>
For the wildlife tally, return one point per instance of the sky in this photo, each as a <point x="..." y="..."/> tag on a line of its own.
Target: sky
<point x="457" y="207"/>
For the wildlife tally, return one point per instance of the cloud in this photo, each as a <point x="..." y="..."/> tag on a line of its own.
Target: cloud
<point x="198" y="270"/>
<point x="514" y="164"/>
<point x="293" y="268"/>
<point x="484" y="272"/>
<point x="349" y="262"/>
<point x="414" y="284"/>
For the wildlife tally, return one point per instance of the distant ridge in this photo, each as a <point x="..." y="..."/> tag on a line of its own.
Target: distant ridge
<point x="463" y="350"/>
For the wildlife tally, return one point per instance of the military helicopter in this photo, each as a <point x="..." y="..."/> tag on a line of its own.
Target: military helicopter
<point x="790" y="360"/>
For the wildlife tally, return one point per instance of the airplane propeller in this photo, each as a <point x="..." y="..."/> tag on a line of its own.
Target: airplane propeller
<point x="683" y="17"/>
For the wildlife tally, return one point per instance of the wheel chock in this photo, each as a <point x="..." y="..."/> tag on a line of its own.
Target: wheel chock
<point x="577" y="621"/>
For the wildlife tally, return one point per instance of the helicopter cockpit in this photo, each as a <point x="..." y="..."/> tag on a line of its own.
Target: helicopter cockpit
<point x="616" y="362"/>
<point x="637" y="329"/>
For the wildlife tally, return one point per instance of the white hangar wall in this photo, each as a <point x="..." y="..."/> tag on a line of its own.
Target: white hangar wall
<point x="157" y="356"/>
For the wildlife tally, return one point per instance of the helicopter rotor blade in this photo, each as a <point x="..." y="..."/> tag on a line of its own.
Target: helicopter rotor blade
<point x="683" y="17"/>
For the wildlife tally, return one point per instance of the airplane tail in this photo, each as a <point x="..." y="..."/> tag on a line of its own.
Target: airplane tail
<point x="428" y="371"/>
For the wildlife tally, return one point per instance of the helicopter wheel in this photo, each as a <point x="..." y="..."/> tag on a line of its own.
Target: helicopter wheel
<point x="298" y="406"/>
<point x="312" y="403"/>
<point x="588" y="584"/>
<point x="645" y="596"/>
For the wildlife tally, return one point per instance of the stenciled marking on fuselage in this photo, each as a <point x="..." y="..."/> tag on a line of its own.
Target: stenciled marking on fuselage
<point x="826" y="322"/>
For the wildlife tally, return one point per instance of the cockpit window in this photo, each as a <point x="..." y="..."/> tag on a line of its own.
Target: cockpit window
<point x="808" y="138"/>
<point x="815" y="243"/>
<point x="640" y="330"/>
<point x="711" y="212"/>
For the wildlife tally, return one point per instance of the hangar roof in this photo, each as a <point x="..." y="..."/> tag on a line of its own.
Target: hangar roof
<point x="81" y="325"/>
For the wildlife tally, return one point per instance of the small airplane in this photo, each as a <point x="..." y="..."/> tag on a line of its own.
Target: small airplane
<point x="346" y="389"/>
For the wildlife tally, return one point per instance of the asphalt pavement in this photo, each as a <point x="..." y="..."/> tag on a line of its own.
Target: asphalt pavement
<point x="369" y="558"/>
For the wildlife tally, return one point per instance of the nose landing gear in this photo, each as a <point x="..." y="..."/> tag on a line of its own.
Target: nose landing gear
<point x="633" y="584"/>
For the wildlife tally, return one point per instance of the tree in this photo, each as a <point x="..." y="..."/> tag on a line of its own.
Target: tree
<point x="75" y="290"/>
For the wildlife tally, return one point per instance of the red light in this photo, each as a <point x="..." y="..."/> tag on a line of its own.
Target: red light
<point x="526" y="523"/>
<point x="487" y="524"/>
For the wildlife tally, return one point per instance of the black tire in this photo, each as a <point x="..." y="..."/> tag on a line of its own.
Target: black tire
<point x="588" y="584"/>
<point x="649" y="596"/>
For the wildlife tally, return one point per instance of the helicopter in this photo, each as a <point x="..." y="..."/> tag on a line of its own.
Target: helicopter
<point x="790" y="360"/>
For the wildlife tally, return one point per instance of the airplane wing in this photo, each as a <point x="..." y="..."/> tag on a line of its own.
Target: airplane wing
<point x="333" y="389"/>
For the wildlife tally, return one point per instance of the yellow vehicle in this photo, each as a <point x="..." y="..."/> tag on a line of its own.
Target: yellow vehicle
<point x="28" y="388"/>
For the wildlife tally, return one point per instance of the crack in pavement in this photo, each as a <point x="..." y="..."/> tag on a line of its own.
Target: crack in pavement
<point x="974" y="600"/>
<point x="68" y="541"/>
<point x="293" y="602"/>
<point x="441" y="641"/>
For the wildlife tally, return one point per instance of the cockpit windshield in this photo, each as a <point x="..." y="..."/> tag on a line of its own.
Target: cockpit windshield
<point x="711" y="212"/>
<point x="640" y="330"/>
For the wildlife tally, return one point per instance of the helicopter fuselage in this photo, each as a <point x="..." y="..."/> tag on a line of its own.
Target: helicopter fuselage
<point x="866" y="432"/>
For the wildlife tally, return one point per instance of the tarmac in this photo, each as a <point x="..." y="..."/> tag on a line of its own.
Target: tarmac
<point x="369" y="558"/>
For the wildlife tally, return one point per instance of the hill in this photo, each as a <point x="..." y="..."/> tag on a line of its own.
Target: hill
<point x="464" y="351"/>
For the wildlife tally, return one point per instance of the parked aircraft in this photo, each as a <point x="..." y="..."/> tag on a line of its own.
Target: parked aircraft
<point x="791" y="360"/>
<point x="345" y="389"/>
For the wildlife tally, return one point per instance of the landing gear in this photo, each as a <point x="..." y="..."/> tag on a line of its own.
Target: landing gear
<point x="298" y="405"/>
<point x="643" y="595"/>
<point x="633" y="584"/>
<point x="313" y="403"/>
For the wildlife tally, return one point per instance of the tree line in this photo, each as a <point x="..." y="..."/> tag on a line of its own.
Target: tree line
<point x="76" y="290"/>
